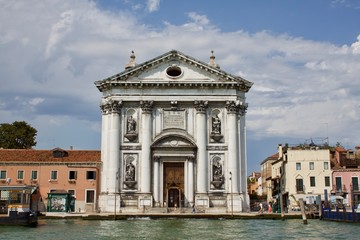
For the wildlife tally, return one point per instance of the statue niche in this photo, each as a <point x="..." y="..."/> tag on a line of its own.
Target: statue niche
<point x="217" y="173"/>
<point x="130" y="175"/>
<point x="131" y="134"/>
<point x="216" y="129"/>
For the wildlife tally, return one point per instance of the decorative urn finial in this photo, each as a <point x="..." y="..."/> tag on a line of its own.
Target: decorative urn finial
<point x="212" y="60"/>
<point x="132" y="61"/>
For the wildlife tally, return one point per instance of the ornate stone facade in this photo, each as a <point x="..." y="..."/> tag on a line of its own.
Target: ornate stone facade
<point x="173" y="135"/>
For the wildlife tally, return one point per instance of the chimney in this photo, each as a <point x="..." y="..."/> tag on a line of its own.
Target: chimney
<point x="280" y="151"/>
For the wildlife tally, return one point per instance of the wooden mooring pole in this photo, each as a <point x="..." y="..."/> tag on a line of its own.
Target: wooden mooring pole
<point x="302" y="207"/>
<point x="320" y="206"/>
<point x="282" y="207"/>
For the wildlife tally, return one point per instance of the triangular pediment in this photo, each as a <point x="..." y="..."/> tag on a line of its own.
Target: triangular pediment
<point x="174" y="69"/>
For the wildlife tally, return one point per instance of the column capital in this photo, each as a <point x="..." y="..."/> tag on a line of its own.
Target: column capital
<point x="104" y="108"/>
<point x="146" y="106"/>
<point x="111" y="106"/>
<point x="242" y="109"/>
<point x="201" y="106"/>
<point x="156" y="158"/>
<point x="233" y="107"/>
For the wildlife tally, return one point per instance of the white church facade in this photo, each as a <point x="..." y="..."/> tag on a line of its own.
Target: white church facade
<point x="173" y="136"/>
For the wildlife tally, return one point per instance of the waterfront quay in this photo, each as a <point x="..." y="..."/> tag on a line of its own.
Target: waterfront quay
<point x="125" y="216"/>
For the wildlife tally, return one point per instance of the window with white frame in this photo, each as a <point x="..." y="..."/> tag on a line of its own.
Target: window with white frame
<point x="299" y="185"/>
<point x="90" y="175"/>
<point x="20" y="174"/>
<point x="312" y="181"/>
<point x="298" y="166"/>
<point x="2" y="174"/>
<point x="34" y="175"/>
<point x="90" y="196"/>
<point x="72" y="175"/>
<point x="53" y="175"/>
<point x="327" y="181"/>
<point x="338" y="184"/>
<point x="355" y="183"/>
<point x="311" y="165"/>
<point x="326" y="165"/>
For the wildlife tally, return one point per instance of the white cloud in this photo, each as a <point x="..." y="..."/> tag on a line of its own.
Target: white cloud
<point x="199" y="19"/>
<point x="59" y="30"/>
<point x="355" y="47"/>
<point x="299" y="84"/>
<point x="36" y="101"/>
<point x="153" y="5"/>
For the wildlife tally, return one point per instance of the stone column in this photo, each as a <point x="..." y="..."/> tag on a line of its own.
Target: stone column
<point x="201" y="133"/>
<point x="114" y="147"/>
<point x="231" y="128"/>
<point x="242" y="145"/>
<point x="190" y="178"/>
<point x="156" y="177"/>
<point x="146" y="131"/>
<point x="105" y="119"/>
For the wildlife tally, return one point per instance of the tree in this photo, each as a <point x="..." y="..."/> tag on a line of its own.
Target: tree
<point x="18" y="135"/>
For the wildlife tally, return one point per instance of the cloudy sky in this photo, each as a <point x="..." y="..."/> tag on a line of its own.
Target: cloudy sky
<point x="303" y="57"/>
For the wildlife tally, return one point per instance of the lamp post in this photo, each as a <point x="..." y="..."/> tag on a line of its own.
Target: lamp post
<point x="231" y="195"/>
<point x="116" y="190"/>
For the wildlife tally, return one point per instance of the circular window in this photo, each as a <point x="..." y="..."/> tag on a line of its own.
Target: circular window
<point x="174" y="71"/>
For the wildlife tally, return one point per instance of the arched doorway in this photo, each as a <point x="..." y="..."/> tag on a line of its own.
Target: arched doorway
<point x="174" y="183"/>
<point x="173" y="171"/>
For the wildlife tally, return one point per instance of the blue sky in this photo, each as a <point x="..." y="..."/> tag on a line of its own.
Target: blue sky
<point x="320" y="20"/>
<point x="303" y="57"/>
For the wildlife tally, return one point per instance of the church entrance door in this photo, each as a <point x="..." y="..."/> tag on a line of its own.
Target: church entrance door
<point x="174" y="183"/>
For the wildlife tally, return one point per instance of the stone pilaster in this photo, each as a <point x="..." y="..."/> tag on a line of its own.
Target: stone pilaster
<point x="146" y="132"/>
<point x="110" y="154"/>
<point x="156" y="177"/>
<point x="110" y="145"/>
<point x="105" y="123"/>
<point x="243" y="154"/>
<point x="233" y="166"/>
<point x="190" y="182"/>
<point x="201" y="133"/>
<point x="114" y="146"/>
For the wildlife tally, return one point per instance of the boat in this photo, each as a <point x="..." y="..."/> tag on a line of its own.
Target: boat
<point x="15" y="206"/>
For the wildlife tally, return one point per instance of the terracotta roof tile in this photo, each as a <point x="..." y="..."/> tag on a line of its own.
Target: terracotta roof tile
<point x="340" y="149"/>
<point x="32" y="155"/>
<point x="275" y="156"/>
<point x="272" y="157"/>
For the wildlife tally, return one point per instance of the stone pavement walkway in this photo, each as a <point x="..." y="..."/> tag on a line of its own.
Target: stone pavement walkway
<point x="124" y="216"/>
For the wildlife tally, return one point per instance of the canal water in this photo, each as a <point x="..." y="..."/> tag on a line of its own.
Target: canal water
<point x="67" y="229"/>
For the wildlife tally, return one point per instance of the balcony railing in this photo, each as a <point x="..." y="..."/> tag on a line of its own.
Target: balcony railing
<point x="300" y="188"/>
<point x="355" y="188"/>
<point x="339" y="189"/>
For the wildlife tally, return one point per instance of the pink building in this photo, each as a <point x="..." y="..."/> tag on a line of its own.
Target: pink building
<point x="346" y="174"/>
<point x="73" y="174"/>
